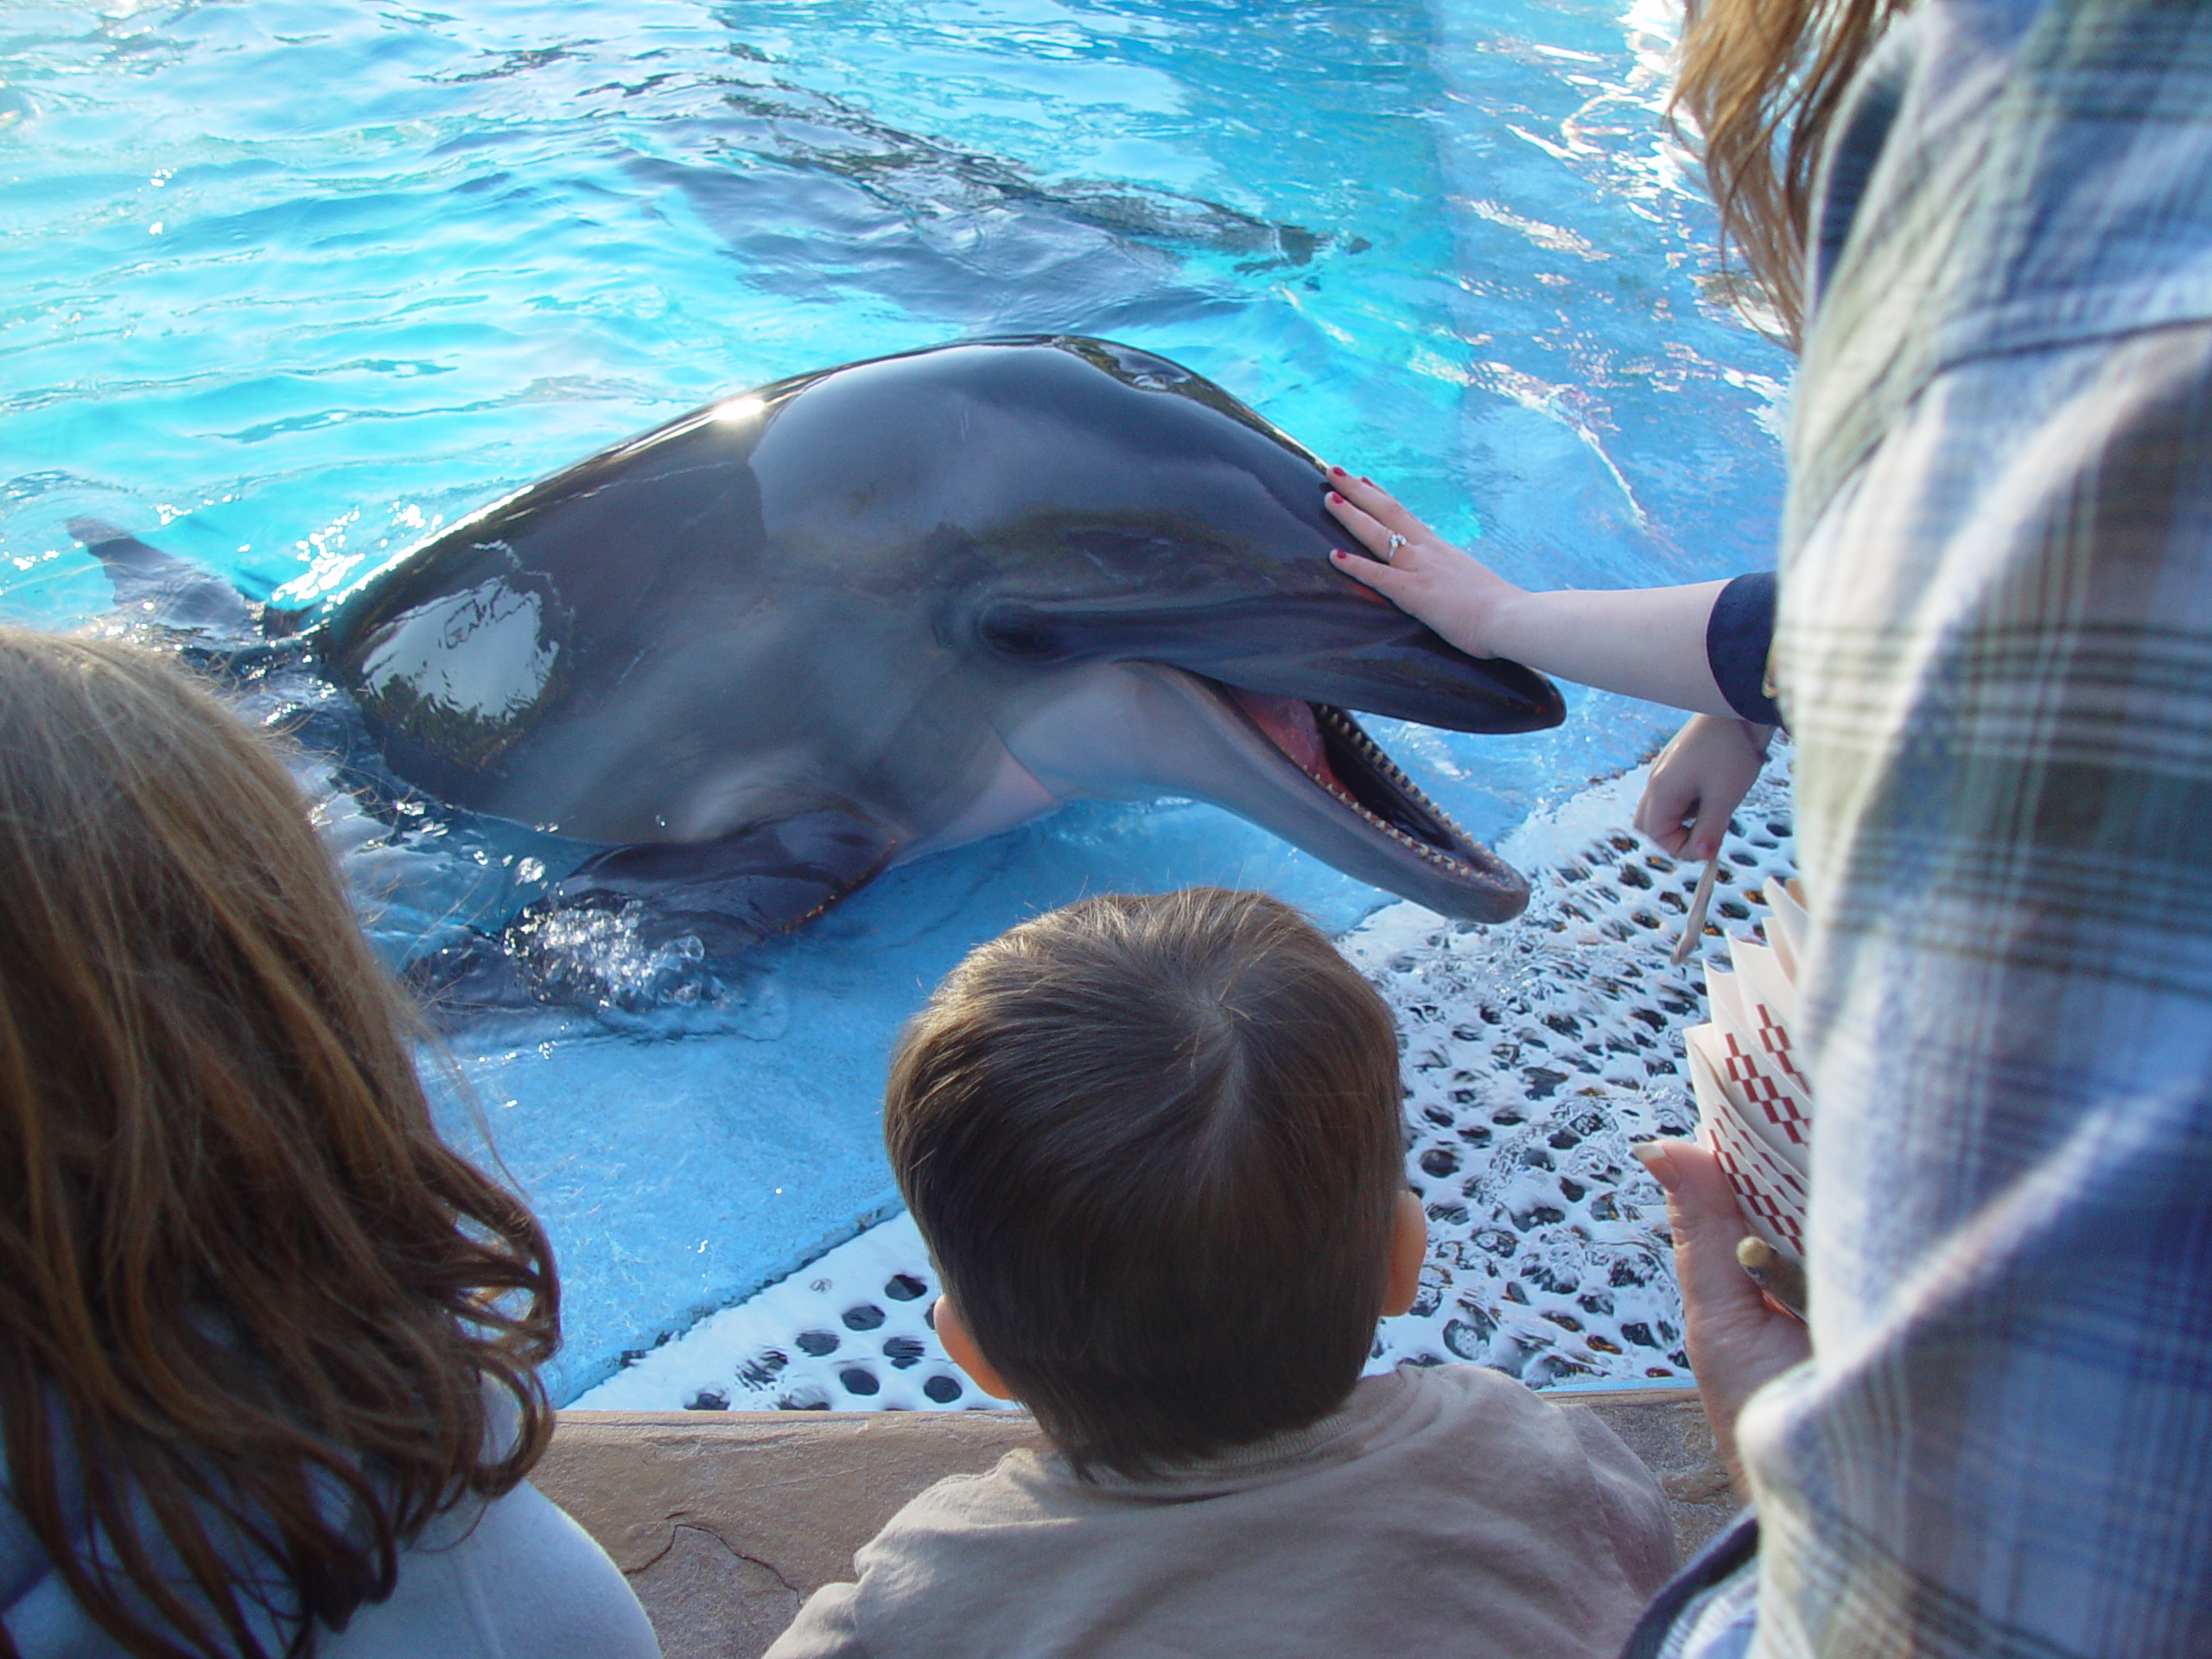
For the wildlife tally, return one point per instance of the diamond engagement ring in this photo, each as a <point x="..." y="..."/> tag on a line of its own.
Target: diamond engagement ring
<point x="1391" y="552"/>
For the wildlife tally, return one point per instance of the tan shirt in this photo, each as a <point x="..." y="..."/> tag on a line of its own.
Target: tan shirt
<point x="1444" y="1511"/>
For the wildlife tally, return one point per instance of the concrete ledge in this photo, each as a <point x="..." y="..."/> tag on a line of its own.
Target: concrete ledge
<point x="726" y="1521"/>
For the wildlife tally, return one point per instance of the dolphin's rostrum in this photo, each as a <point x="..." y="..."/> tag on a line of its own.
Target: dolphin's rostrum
<point x="767" y="651"/>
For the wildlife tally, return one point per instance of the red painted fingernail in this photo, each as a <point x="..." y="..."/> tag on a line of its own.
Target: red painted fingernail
<point x="1338" y="553"/>
<point x="1333" y="496"/>
<point x="1364" y="479"/>
<point x="1340" y="472"/>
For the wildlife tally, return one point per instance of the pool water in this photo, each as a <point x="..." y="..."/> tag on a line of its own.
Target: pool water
<point x="290" y="285"/>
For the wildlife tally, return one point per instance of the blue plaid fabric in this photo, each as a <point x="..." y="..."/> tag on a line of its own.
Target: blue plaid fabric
<point x="1994" y="649"/>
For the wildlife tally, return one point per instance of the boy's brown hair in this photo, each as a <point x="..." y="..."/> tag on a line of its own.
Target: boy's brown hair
<point x="1153" y="1142"/>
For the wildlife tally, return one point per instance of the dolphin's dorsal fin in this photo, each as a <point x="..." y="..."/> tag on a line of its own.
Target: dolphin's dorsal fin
<point x="163" y="589"/>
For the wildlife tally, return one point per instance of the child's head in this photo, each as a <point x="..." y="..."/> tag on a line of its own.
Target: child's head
<point x="1153" y="1142"/>
<point x="244" y="1274"/>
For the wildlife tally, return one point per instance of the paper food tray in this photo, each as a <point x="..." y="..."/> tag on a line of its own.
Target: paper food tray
<point x="1755" y="1107"/>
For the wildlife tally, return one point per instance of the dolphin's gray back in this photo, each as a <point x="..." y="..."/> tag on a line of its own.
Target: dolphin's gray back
<point x="814" y="596"/>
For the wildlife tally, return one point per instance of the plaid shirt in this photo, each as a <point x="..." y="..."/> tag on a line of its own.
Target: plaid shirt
<point x="1995" y="652"/>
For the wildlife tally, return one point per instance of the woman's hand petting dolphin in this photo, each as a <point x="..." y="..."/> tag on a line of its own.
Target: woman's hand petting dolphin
<point x="1643" y="642"/>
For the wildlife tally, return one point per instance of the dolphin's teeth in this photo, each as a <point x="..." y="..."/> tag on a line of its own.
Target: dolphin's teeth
<point x="1345" y="728"/>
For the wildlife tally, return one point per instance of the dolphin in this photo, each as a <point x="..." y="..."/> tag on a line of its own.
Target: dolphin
<point x="760" y="654"/>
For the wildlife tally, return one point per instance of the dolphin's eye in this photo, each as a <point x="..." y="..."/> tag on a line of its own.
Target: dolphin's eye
<point x="1023" y="638"/>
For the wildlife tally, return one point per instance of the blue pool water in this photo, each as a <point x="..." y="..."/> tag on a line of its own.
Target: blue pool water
<point x="289" y="284"/>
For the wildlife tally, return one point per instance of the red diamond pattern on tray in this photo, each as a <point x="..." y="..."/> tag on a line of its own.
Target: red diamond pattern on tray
<point x="1780" y="1106"/>
<point x="1752" y="1196"/>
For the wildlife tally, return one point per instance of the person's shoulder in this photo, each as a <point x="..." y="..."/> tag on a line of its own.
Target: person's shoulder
<point x="512" y="1574"/>
<point x="955" y="1571"/>
<point x="1021" y="1486"/>
<point x="1464" y="1423"/>
<point x="1470" y="1389"/>
<point x="827" y="1627"/>
<point x="1494" y="1442"/>
<point x="1485" y="1388"/>
<point x="23" y="1561"/>
<point x="1472" y="1412"/>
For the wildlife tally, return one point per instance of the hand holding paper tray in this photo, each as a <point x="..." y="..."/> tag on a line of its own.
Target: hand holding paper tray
<point x="1755" y="1108"/>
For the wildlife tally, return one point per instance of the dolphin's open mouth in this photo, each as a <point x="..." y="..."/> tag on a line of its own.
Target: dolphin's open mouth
<point x="1329" y="747"/>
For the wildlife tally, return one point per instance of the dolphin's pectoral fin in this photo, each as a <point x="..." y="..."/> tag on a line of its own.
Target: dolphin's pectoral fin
<point x="472" y="973"/>
<point x="577" y="947"/>
<point x="739" y="889"/>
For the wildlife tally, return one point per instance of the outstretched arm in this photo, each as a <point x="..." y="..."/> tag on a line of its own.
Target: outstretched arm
<point x="1643" y="642"/>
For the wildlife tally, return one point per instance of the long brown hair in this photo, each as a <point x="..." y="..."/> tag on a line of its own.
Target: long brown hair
<point x="1153" y="1142"/>
<point x="249" y="1304"/>
<point x="1764" y="79"/>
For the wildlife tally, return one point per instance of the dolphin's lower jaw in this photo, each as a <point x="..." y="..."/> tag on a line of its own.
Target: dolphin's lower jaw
<point x="1355" y="772"/>
<point x="1305" y="771"/>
